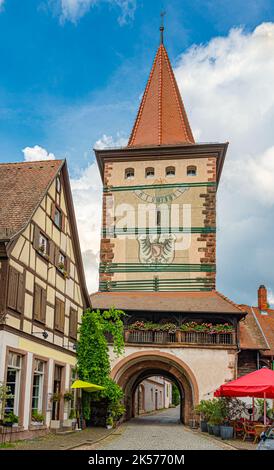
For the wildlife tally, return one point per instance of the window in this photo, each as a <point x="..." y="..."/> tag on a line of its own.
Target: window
<point x="43" y="244"/>
<point x="191" y="170"/>
<point x="38" y="386"/>
<point x="73" y="323"/>
<point x="13" y="382"/>
<point x="57" y="217"/>
<point x="57" y="389"/>
<point x="16" y="290"/>
<point x="170" y="171"/>
<point x="58" y="184"/>
<point x="129" y="173"/>
<point x="59" y="318"/>
<point x="62" y="262"/>
<point x="150" y="172"/>
<point x="39" y="306"/>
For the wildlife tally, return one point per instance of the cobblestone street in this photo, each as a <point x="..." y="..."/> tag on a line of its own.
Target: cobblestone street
<point x="157" y="431"/>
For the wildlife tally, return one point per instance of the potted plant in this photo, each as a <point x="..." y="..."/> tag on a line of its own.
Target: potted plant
<point x="37" y="418"/>
<point x="217" y="416"/>
<point x="68" y="396"/>
<point x="10" y="419"/>
<point x="109" y="422"/>
<point x="204" y="410"/>
<point x="55" y="398"/>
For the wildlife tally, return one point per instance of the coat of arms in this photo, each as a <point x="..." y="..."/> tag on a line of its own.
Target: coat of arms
<point x="155" y="249"/>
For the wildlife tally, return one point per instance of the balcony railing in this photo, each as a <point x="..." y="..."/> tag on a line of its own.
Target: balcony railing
<point x="183" y="337"/>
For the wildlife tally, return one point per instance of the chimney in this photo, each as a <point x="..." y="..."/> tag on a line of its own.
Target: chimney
<point x="262" y="298"/>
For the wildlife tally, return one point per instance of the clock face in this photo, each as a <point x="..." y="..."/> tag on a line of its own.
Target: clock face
<point x="161" y="196"/>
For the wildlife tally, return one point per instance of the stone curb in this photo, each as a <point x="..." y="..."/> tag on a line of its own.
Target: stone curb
<point x="88" y="443"/>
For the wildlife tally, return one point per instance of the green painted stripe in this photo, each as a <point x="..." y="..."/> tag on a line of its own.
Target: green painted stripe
<point x="169" y="285"/>
<point x="157" y="186"/>
<point x="158" y="230"/>
<point x="138" y="267"/>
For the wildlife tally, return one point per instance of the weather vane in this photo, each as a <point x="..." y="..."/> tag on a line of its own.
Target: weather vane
<point x="163" y="13"/>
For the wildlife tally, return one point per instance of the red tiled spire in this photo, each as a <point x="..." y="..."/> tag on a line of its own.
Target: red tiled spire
<point x="161" y="119"/>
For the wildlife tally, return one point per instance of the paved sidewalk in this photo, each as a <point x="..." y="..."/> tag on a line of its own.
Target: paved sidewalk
<point x="63" y="441"/>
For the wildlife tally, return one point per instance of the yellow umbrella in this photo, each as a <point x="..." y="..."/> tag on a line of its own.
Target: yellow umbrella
<point x="86" y="386"/>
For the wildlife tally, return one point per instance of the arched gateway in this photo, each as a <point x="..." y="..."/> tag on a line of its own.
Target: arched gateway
<point x="158" y="250"/>
<point x="129" y="372"/>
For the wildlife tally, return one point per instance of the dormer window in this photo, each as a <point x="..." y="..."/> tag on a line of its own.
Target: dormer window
<point x="150" y="172"/>
<point x="170" y="171"/>
<point x="191" y="170"/>
<point x="129" y="173"/>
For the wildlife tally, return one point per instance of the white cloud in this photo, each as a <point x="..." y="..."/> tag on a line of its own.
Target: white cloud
<point x="73" y="10"/>
<point x="87" y="198"/>
<point x="37" y="153"/>
<point x="227" y="85"/>
<point x="107" y="141"/>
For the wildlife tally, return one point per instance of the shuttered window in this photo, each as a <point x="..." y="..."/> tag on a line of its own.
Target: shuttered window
<point x="73" y="323"/>
<point x="40" y="303"/>
<point x="16" y="290"/>
<point x="58" y="217"/>
<point x="59" y="318"/>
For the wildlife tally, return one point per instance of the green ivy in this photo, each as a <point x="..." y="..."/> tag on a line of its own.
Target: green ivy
<point x="93" y="361"/>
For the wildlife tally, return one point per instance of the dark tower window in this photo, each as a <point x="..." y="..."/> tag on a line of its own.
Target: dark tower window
<point x="191" y="170"/>
<point x="158" y="218"/>
<point x="129" y="173"/>
<point x="170" y="171"/>
<point x="150" y="172"/>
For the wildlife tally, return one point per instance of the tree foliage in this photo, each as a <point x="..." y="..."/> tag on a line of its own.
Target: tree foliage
<point x="93" y="361"/>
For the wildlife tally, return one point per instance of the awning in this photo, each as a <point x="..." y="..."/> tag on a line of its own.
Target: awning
<point x="86" y="386"/>
<point x="258" y="384"/>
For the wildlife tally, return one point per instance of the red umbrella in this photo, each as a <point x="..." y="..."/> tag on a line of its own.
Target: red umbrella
<point x="259" y="384"/>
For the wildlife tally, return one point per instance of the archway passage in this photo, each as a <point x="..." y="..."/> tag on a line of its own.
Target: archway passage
<point x="133" y="369"/>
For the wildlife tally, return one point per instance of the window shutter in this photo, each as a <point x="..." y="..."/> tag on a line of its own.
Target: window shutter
<point x="62" y="316"/>
<point x="73" y="323"/>
<point x="43" y="305"/>
<point x="56" y="256"/>
<point x="68" y="266"/>
<point x="57" y="314"/>
<point x="37" y="302"/>
<point x="63" y="221"/>
<point x="20" y="293"/>
<point x="52" y="252"/>
<point x="53" y="211"/>
<point x="36" y="236"/>
<point x="13" y="288"/>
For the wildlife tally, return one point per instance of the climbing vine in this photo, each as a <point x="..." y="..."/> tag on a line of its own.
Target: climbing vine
<point x="93" y="361"/>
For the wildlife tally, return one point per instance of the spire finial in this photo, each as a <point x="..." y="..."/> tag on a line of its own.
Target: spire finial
<point x="163" y="13"/>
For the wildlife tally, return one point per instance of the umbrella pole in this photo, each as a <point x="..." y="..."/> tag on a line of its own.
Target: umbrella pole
<point x="264" y="409"/>
<point x="253" y="410"/>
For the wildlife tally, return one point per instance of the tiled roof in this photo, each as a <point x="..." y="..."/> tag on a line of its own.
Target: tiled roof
<point x="22" y="186"/>
<point x="162" y="119"/>
<point x="257" y="330"/>
<point x="204" y="302"/>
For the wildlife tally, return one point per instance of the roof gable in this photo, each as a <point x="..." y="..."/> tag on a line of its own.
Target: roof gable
<point x="23" y="186"/>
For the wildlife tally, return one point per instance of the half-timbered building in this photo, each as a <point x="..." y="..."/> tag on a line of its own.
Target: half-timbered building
<point x="42" y="291"/>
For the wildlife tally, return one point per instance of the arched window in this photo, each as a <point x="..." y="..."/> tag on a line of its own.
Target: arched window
<point x="150" y="172"/>
<point x="191" y="170"/>
<point x="170" y="171"/>
<point x="129" y="173"/>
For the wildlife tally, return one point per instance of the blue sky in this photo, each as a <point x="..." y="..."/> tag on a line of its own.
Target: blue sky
<point x="72" y="73"/>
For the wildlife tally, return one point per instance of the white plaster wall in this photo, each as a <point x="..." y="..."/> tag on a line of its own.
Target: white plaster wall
<point x="211" y="367"/>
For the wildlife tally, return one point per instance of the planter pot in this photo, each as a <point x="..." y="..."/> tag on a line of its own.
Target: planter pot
<point x="216" y="430"/>
<point x="67" y="423"/>
<point x="55" y="424"/>
<point x="204" y="427"/>
<point x="109" y="426"/>
<point x="209" y="429"/>
<point x="226" y="432"/>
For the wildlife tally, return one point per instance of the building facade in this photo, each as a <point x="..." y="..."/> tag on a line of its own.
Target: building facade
<point x="158" y="250"/>
<point x="154" y="393"/>
<point x="42" y="293"/>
